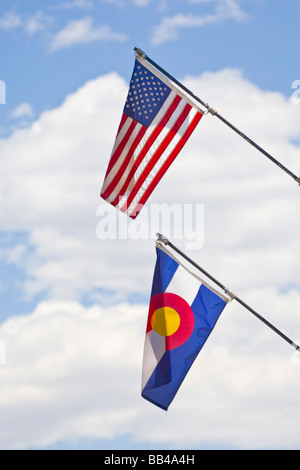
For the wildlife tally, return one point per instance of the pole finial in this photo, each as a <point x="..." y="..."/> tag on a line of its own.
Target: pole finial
<point x="140" y="52"/>
<point x="162" y="239"/>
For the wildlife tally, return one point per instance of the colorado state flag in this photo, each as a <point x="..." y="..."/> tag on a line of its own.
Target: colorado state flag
<point x="182" y="313"/>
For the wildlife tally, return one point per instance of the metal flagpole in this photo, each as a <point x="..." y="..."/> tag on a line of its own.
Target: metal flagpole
<point x="212" y="111"/>
<point x="230" y="294"/>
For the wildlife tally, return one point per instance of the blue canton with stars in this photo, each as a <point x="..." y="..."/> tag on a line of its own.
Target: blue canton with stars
<point x="146" y="95"/>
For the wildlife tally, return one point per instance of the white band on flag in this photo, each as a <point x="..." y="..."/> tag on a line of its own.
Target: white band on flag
<point x="199" y="279"/>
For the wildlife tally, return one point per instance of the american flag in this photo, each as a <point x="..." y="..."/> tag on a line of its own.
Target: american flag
<point x="157" y="121"/>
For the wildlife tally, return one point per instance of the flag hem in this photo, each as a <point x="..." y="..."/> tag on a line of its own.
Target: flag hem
<point x="165" y="408"/>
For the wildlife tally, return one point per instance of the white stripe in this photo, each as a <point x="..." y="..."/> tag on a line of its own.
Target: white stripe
<point x="123" y="154"/>
<point x="193" y="275"/>
<point x="161" y="160"/>
<point x="184" y="285"/>
<point x="154" y="349"/>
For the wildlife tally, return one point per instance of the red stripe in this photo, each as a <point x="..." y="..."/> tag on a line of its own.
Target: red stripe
<point x="152" y="138"/>
<point x="125" y="164"/>
<point x="167" y="164"/>
<point x="169" y="137"/>
<point x="112" y="160"/>
<point x="120" y="147"/>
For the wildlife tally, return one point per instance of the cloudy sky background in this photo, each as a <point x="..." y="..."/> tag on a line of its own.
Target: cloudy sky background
<point x="74" y="295"/>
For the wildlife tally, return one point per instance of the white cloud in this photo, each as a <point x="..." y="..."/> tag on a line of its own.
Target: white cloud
<point x="168" y="28"/>
<point x="21" y="111"/>
<point x="230" y="9"/>
<point x="83" y="32"/>
<point x="120" y="3"/>
<point x="10" y="20"/>
<point x="38" y="22"/>
<point x="141" y="3"/>
<point x="52" y="173"/>
<point x="74" y="372"/>
<point x="47" y="349"/>
<point x="88" y="4"/>
<point x="160" y="4"/>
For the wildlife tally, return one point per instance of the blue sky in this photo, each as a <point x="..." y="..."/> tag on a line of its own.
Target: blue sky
<point x="74" y="300"/>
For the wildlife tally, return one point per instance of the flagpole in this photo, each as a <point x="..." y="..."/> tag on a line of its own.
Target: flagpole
<point x="212" y="111"/>
<point x="231" y="294"/>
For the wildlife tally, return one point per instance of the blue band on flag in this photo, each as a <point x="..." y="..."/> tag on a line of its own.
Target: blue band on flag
<point x="165" y="269"/>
